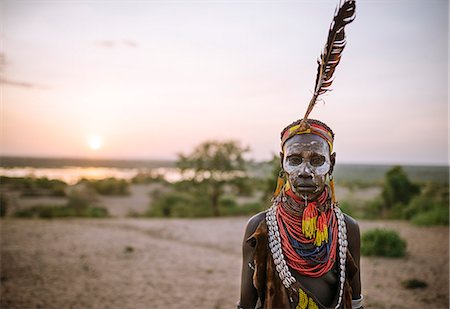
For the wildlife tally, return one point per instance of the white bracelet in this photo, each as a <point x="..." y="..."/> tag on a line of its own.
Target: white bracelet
<point x="357" y="303"/>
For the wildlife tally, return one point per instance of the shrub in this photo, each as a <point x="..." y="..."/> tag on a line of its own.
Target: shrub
<point x="372" y="209"/>
<point x="191" y="205"/>
<point x="180" y="204"/>
<point x="414" y="284"/>
<point x="436" y="216"/>
<point x="397" y="192"/>
<point x="382" y="242"/>
<point x="3" y="204"/>
<point x="31" y="186"/>
<point x="55" y="211"/>
<point x="430" y="207"/>
<point x="347" y="208"/>
<point x="108" y="186"/>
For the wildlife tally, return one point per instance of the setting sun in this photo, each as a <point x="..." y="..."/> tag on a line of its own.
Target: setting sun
<point x="95" y="142"/>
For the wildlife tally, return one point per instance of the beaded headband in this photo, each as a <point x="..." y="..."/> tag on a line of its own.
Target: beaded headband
<point x="311" y="128"/>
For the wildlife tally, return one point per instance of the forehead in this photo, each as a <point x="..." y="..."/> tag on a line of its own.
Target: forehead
<point x="306" y="142"/>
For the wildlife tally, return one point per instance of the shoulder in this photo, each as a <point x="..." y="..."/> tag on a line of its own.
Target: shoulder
<point x="353" y="234"/>
<point x="352" y="224"/>
<point x="253" y="222"/>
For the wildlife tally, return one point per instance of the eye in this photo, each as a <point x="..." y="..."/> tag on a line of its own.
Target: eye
<point x="295" y="160"/>
<point x="317" y="160"/>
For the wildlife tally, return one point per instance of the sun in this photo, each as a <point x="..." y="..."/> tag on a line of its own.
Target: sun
<point x="95" y="142"/>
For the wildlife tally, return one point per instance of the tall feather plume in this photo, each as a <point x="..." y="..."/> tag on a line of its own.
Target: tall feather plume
<point x="329" y="59"/>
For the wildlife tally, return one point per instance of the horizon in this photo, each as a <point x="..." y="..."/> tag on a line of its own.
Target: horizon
<point x="149" y="80"/>
<point x="173" y="160"/>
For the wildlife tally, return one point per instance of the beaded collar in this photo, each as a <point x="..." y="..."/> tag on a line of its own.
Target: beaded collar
<point x="291" y="248"/>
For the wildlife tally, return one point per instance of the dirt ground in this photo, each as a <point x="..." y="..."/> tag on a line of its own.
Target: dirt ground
<point x="156" y="263"/>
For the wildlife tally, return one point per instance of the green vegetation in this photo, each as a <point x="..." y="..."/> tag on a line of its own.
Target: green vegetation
<point x="80" y="203"/>
<point x="148" y="177"/>
<point x="214" y="179"/>
<point x="397" y="189"/>
<point x="108" y="186"/>
<point x="49" y="211"/>
<point x="414" y="284"/>
<point x="211" y="170"/>
<point x="31" y="186"/>
<point x="431" y="207"/>
<point x="188" y="205"/>
<point x="3" y="204"/>
<point x="423" y="204"/>
<point x="382" y="242"/>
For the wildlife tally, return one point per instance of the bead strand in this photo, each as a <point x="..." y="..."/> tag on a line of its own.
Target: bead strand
<point x="275" y="247"/>
<point x="343" y="245"/>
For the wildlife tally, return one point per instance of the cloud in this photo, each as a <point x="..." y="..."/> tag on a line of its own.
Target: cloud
<point x="107" y="44"/>
<point x="4" y="81"/>
<point x="117" y="43"/>
<point x="129" y="43"/>
<point x="16" y="83"/>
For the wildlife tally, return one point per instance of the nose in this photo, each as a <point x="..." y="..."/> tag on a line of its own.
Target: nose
<point x="304" y="170"/>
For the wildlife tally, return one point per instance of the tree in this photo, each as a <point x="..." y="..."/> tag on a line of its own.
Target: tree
<point x="397" y="188"/>
<point x="212" y="167"/>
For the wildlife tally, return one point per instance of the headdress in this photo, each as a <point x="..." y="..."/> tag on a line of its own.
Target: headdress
<point x="327" y="63"/>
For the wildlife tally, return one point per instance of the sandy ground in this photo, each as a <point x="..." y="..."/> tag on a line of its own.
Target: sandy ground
<point x="157" y="263"/>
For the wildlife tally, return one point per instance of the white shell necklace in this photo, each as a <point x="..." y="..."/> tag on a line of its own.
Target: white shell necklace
<point x="277" y="252"/>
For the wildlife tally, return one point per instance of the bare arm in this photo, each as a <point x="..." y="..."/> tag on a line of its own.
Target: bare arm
<point x="354" y="245"/>
<point x="249" y="295"/>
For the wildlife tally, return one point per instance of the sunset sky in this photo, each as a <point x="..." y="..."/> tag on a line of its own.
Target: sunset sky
<point x="150" y="79"/>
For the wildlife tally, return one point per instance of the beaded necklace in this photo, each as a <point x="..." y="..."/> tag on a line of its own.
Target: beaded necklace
<point x="312" y="254"/>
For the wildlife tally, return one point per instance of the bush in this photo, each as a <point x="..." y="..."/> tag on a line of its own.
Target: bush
<point x="398" y="189"/>
<point x="3" y="204"/>
<point x="430" y="207"/>
<point x="180" y="204"/>
<point x="414" y="284"/>
<point x="108" y="186"/>
<point x="372" y="209"/>
<point x="54" y="211"/>
<point x="80" y="199"/>
<point x="382" y="242"/>
<point x="437" y="216"/>
<point x="31" y="186"/>
<point x="147" y="178"/>
<point x="191" y="205"/>
<point x="347" y="208"/>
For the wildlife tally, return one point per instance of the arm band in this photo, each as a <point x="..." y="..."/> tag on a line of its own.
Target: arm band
<point x="357" y="303"/>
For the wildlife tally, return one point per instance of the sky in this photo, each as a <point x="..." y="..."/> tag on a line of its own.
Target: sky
<point x="152" y="79"/>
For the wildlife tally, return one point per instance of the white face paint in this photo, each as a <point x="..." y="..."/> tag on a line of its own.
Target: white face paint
<point x="306" y="161"/>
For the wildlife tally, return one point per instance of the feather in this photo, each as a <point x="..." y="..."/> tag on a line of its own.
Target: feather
<point x="331" y="55"/>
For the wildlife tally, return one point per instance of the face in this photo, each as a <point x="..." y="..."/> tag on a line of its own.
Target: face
<point x="307" y="161"/>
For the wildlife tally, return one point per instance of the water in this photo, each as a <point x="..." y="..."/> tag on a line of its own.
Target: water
<point x="72" y="174"/>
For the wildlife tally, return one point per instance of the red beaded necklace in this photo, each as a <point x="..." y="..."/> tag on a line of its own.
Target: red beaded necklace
<point x="312" y="254"/>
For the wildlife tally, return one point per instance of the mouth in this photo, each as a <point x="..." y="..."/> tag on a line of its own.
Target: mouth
<point x="305" y="187"/>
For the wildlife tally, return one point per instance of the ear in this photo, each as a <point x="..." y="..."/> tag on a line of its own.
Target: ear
<point x="332" y="161"/>
<point x="281" y="160"/>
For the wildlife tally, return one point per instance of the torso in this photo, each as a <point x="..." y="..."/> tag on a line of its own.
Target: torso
<point x="324" y="288"/>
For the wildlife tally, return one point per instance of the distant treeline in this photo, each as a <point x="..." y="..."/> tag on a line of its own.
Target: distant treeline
<point x="62" y="162"/>
<point x="376" y="173"/>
